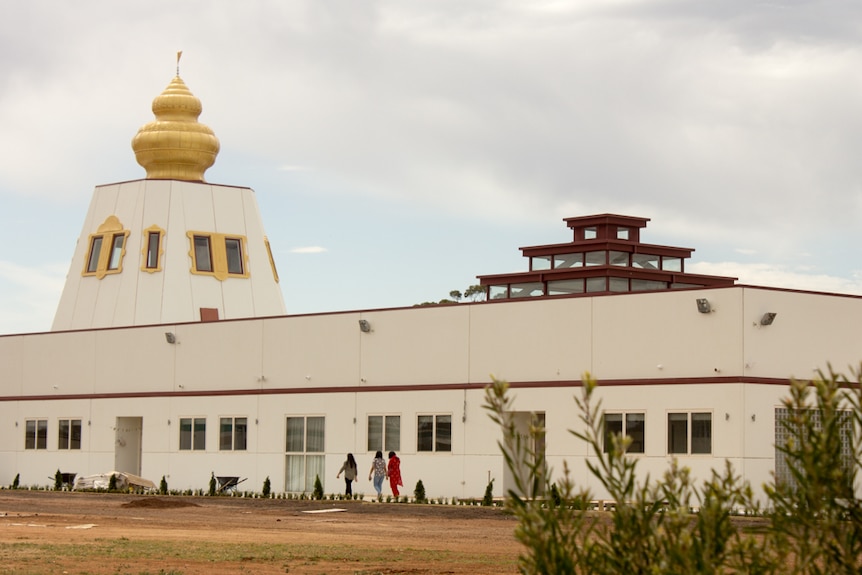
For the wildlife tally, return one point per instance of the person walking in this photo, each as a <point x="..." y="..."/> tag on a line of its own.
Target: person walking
<point x="350" y="472"/>
<point x="394" y="473"/>
<point x="378" y="471"/>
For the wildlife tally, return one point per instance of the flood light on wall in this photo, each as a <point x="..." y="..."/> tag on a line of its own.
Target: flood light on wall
<point x="703" y="305"/>
<point x="170" y="337"/>
<point x="364" y="326"/>
<point x="768" y="318"/>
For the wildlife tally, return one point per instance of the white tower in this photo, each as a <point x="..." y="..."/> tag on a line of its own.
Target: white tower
<point x="170" y="248"/>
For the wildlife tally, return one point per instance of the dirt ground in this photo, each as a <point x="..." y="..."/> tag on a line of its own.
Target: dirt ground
<point x="92" y="533"/>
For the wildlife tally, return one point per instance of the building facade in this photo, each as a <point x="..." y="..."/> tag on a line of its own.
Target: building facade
<point x="171" y="355"/>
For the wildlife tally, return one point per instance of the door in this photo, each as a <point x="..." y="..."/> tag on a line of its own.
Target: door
<point x="127" y="444"/>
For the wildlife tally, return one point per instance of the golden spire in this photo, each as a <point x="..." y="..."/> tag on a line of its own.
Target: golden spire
<point x="176" y="146"/>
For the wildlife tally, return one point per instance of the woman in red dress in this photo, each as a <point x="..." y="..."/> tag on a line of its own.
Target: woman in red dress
<point x="394" y="471"/>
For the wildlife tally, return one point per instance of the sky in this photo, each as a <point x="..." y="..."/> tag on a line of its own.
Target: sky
<point x="398" y="149"/>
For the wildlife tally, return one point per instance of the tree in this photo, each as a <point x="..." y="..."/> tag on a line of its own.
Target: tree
<point x="163" y="486"/>
<point x="318" y="488"/>
<point x="419" y="492"/>
<point x="267" y="486"/>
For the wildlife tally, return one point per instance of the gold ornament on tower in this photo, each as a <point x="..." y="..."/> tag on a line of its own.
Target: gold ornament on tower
<point x="175" y="146"/>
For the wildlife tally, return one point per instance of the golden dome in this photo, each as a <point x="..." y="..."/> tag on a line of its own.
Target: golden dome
<point x="176" y="146"/>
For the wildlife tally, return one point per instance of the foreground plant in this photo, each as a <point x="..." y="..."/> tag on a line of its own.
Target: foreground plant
<point x="673" y="524"/>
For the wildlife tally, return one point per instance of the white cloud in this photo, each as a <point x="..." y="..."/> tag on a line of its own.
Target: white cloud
<point x="768" y="275"/>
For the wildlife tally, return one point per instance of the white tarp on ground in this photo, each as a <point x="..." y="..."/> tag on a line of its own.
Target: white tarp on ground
<point x="102" y="480"/>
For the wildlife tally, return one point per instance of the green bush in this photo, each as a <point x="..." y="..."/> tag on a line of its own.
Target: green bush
<point x="163" y="486"/>
<point x="488" y="498"/>
<point x="318" y="488"/>
<point x="673" y="525"/>
<point x="58" y="481"/>
<point x="17" y="481"/>
<point x="267" y="487"/>
<point x="112" y="483"/>
<point x="212" y="487"/>
<point x="419" y="492"/>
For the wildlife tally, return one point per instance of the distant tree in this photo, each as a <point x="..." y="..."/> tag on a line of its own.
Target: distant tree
<point x="58" y="481"/>
<point x="17" y="481"/>
<point x="488" y="499"/>
<point x="212" y="490"/>
<point x="473" y="293"/>
<point x="163" y="486"/>
<point x="267" y="486"/>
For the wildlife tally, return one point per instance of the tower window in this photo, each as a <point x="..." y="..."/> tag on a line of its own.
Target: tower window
<point x="203" y="255"/>
<point x="152" y="251"/>
<point x="103" y="262"/>
<point x="233" y="249"/>
<point x="218" y="255"/>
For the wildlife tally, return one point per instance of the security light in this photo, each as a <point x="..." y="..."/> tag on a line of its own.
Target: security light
<point x="170" y="337"/>
<point x="768" y="318"/>
<point x="364" y="326"/>
<point x="703" y="305"/>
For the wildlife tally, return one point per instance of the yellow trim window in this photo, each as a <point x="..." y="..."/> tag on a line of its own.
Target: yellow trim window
<point x="218" y="255"/>
<point x="153" y="249"/>
<point x="272" y="262"/>
<point x="107" y="248"/>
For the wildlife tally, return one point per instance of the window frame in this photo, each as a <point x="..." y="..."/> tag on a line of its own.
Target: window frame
<point x="37" y="439"/>
<point x="236" y="440"/>
<point x="193" y="438"/>
<point x="152" y="254"/>
<point x="690" y="432"/>
<point x="221" y="265"/>
<point x="303" y="464"/>
<point x="104" y="256"/>
<point x="385" y="442"/>
<point x="72" y="440"/>
<point x="636" y="447"/>
<point x="438" y="443"/>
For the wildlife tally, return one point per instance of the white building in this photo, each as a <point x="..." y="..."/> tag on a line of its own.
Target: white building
<point x="171" y="355"/>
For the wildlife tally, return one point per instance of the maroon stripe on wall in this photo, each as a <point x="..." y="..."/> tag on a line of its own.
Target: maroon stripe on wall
<point x="390" y="388"/>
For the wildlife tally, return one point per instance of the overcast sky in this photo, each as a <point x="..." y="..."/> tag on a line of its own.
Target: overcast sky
<point x="399" y="149"/>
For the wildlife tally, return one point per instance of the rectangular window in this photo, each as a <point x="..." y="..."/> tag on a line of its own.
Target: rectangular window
<point x="95" y="250"/>
<point x="597" y="285"/>
<point x="590" y="233"/>
<point x="153" y="240"/>
<point x="540" y="263"/>
<point x="622" y="233"/>
<point x="233" y="249"/>
<point x="633" y="424"/>
<point x="305" y="439"/>
<point x="562" y="287"/>
<point x="193" y="434"/>
<point x="528" y="289"/>
<point x="203" y="255"/>
<point x="499" y="292"/>
<point x="69" y="434"/>
<point x="689" y="433"/>
<point x="619" y="258"/>
<point x="233" y="434"/>
<point x="645" y="261"/>
<point x="794" y="427"/>
<point x="562" y="261"/>
<point x="671" y="264"/>
<point x="384" y="433"/>
<point x="434" y="433"/>
<point x="618" y="284"/>
<point x="595" y="258"/>
<point x="116" y="251"/>
<point x="36" y="434"/>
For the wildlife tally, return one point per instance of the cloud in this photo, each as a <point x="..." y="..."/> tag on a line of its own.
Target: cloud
<point x="770" y="275"/>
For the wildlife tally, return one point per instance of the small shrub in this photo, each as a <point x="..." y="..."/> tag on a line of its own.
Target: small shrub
<point x="163" y="486"/>
<point x="58" y="481"/>
<point x="419" y="492"/>
<point x="488" y="499"/>
<point x="267" y="486"/>
<point x="17" y="481"/>
<point x="112" y="483"/>
<point x="318" y="488"/>
<point x="212" y="490"/>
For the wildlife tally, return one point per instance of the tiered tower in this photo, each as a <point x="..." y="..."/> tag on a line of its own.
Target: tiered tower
<point x="170" y="248"/>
